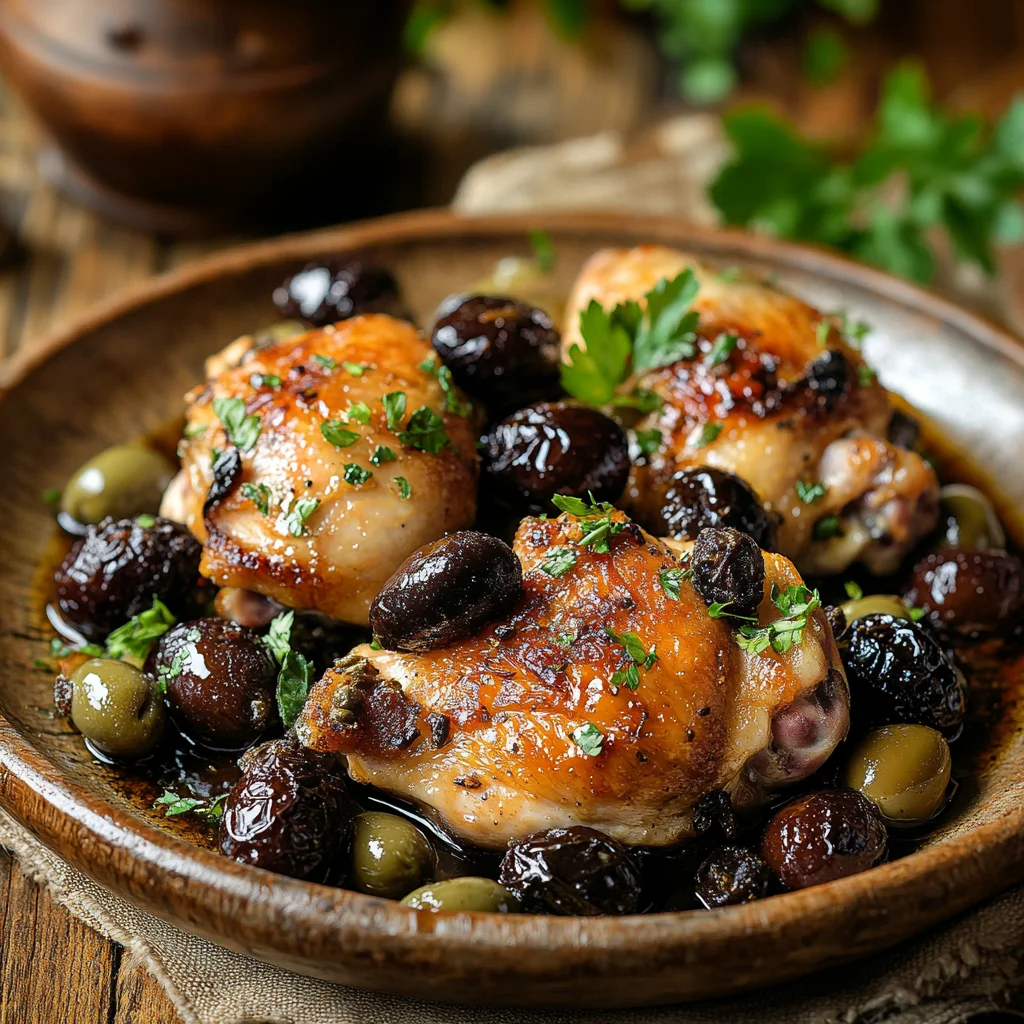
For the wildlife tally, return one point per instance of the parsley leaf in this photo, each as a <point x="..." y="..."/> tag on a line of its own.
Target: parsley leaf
<point x="278" y="638"/>
<point x="51" y="496"/>
<point x="452" y="402"/>
<point x="853" y="590"/>
<point x="355" y="474"/>
<point x="334" y="432"/>
<point x="588" y="738"/>
<point x="865" y="375"/>
<point x="425" y="431"/>
<point x="242" y="430"/>
<point x="146" y="521"/>
<point x="559" y="562"/>
<point x="543" y="250"/>
<point x="671" y="580"/>
<point x="137" y="636"/>
<point x="259" y="380"/>
<point x="721" y="348"/>
<point x="827" y="527"/>
<point x="327" y="362"/>
<point x="648" y="441"/>
<point x="796" y="603"/>
<point x="394" y="409"/>
<point x="358" y="411"/>
<point x="598" y="525"/>
<point x="356" y="369"/>
<point x="194" y="430"/>
<point x="297" y="515"/>
<point x="173" y="805"/>
<point x="382" y="454"/>
<point x="293" y="683"/>
<point x="809" y="493"/>
<point x="707" y="433"/>
<point x="259" y="495"/>
<point x="629" y="676"/>
<point x="403" y="487"/>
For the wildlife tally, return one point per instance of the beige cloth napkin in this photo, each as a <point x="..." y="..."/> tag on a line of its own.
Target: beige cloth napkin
<point x="972" y="967"/>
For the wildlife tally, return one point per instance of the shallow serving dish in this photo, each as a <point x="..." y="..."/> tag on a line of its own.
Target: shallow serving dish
<point x="121" y="373"/>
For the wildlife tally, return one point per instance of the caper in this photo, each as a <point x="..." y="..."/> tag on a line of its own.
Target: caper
<point x="970" y="521"/>
<point x="468" y="893"/>
<point x="904" y="769"/>
<point x="120" y="482"/>
<point x="390" y="856"/>
<point x="116" y="706"/>
<point x="884" y="604"/>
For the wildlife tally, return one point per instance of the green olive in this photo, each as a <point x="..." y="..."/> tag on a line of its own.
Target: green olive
<point x="904" y="769"/>
<point x="466" y="893"/>
<point x="886" y="604"/>
<point x="970" y="520"/>
<point x="117" y="707"/>
<point x="122" y="481"/>
<point x="390" y="856"/>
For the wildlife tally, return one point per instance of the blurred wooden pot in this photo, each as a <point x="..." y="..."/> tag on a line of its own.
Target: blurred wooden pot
<point x="178" y="115"/>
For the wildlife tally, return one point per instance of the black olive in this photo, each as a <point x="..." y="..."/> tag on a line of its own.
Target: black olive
<point x="728" y="568"/>
<point x="713" y="812"/>
<point x="572" y="871"/>
<point x="289" y="812"/>
<point x="900" y="673"/>
<point x="824" y="836"/>
<point x="446" y="591"/>
<point x="554" y="448"/>
<point x="828" y="378"/>
<point x="220" y="682"/>
<point x="732" y="875"/>
<point x="114" y="572"/>
<point x="972" y="592"/>
<point x="324" y="292"/>
<point x="500" y="351"/>
<point x="903" y="430"/>
<point x="700" y="497"/>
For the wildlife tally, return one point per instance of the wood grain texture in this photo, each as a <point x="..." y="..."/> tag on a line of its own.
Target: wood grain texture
<point x="922" y="345"/>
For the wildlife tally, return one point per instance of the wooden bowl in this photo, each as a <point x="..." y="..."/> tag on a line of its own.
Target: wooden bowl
<point x="122" y="371"/>
<point x="175" y="115"/>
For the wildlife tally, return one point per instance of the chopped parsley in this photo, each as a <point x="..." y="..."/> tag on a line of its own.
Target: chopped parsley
<point x="822" y="330"/>
<point x="425" y="431"/>
<point x="394" y="409"/>
<point x="293" y="683"/>
<point x="559" y="562"/>
<point x="279" y="635"/>
<point x="146" y="521"/>
<point x="708" y="433"/>
<point x="671" y="580"/>
<point x="809" y="493"/>
<point x="382" y="454"/>
<point x="259" y="380"/>
<point x="865" y="375"/>
<point x="598" y="525"/>
<point x="722" y="347"/>
<point x="916" y="614"/>
<point x="358" y="411"/>
<point x="543" y="250"/>
<point x="719" y="610"/>
<point x="355" y="474"/>
<point x="853" y="590"/>
<point x="259" y="495"/>
<point x="588" y="738"/>
<point x="429" y="365"/>
<point x="452" y="402"/>
<point x="296" y="518"/>
<point x="51" y="496"/>
<point x="137" y="636"/>
<point x="194" y="430"/>
<point x="648" y="441"/>
<point x="327" y="362"/>
<point x="629" y="676"/>
<point x="627" y="340"/>
<point x="403" y="487"/>
<point x="173" y="805"/>
<point x="796" y="603"/>
<point x="565" y="639"/>
<point x="334" y="432"/>
<point x="242" y="430"/>
<point x="356" y="369"/>
<point x="827" y="527"/>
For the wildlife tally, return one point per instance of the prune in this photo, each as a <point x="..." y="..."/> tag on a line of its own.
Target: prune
<point x="903" y="430"/>
<point x="446" y="591"/>
<point x="824" y="836"/>
<point x="900" y="673"/>
<point x="572" y="871"/>
<point x="972" y="592"/>
<point x="121" y="481"/>
<point x="732" y="875"/>
<point x="728" y="569"/>
<point x="713" y="812"/>
<point x="118" y="567"/>
<point x="324" y="292"/>
<point x="289" y="813"/>
<point x="220" y="682"/>
<point x="465" y="893"/>
<point x="500" y="351"/>
<point x="554" y="448"/>
<point x="828" y="378"/>
<point x="701" y="497"/>
<point x="390" y="856"/>
<point x="903" y="769"/>
<point x="117" y="708"/>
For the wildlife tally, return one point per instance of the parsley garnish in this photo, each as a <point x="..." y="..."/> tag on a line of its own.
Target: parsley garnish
<point x="639" y="658"/>
<point x="671" y="579"/>
<point x="796" y="604"/>
<point x="424" y="431"/>
<point x="708" y="433"/>
<point x="394" y="409"/>
<point x="358" y="411"/>
<point x="356" y="369"/>
<point x="403" y="486"/>
<point x="174" y="805"/>
<point x="51" y="496"/>
<point x="429" y="365"/>
<point x="648" y="441"/>
<point x="559" y="562"/>
<point x="853" y="590"/>
<point x="259" y="495"/>
<point x="242" y="430"/>
<point x="146" y="521"/>
<point x="543" y="250"/>
<point x="865" y="375"/>
<point x="382" y="454"/>
<point x="452" y="402"/>
<point x="598" y="525"/>
<point x="296" y="518"/>
<point x="827" y="527"/>
<point x="722" y="347"/>
<point x="355" y="474"/>
<point x="627" y="339"/>
<point x="334" y="432"/>
<point x="137" y="636"/>
<point x="259" y="380"/>
<point x="327" y="362"/>
<point x="278" y="638"/>
<point x="293" y="683"/>
<point x="194" y="430"/>
<point x="810" y="493"/>
<point x="916" y="614"/>
<point x="588" y="738"/>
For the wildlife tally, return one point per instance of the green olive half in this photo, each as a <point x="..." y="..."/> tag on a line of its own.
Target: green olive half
<point x="122" y="481"/>
<point x="390" y="856"/>
<point x="117" y="707"/>
<point x="904" y="769"/>
<point x="468" y="893"/>
<point x="885" y="604"/>
<point x="970" y="520"/>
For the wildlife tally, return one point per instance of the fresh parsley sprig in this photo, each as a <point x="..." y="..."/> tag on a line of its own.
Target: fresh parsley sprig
<point x="598" y="524"/>
<point x="629" y="675"/>
<point x="242" y="430"/>
<point x="136" y="637"/>
<point x="796" y="603"/>
<point x="295" y="676"/>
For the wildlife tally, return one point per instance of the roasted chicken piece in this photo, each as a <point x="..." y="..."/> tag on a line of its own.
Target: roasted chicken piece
<point x="348" y="455"/>
<point x="546" y="719"/>
<point x="789" y="404"/>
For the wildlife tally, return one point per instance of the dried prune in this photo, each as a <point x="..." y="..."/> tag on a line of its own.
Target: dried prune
<point x="728" y="569"/>
<point x="732" y="875"/>
<point x="325" y="292"/>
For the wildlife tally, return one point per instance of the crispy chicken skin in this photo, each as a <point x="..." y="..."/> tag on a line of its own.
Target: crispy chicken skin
<point x="483" y="731"/>
<point x="781" y="420"/>
<point x="359" y="533"/>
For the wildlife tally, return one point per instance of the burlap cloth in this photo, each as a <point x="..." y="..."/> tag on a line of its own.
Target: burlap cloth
<point x="971" y="967"/>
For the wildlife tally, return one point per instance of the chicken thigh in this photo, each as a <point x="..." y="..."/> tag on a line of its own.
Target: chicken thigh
<point x="313" y="466"/>
<point x="609" y="697"/>
<point x="786" y="403"/>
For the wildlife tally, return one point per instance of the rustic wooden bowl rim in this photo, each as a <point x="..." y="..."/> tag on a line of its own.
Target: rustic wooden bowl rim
<point x="34" y="790"/>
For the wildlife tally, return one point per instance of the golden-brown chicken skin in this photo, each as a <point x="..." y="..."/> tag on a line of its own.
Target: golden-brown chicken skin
<point x="354" y="530"/>
<point x="793" y="402"/>
<point x="527" y="726"/>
